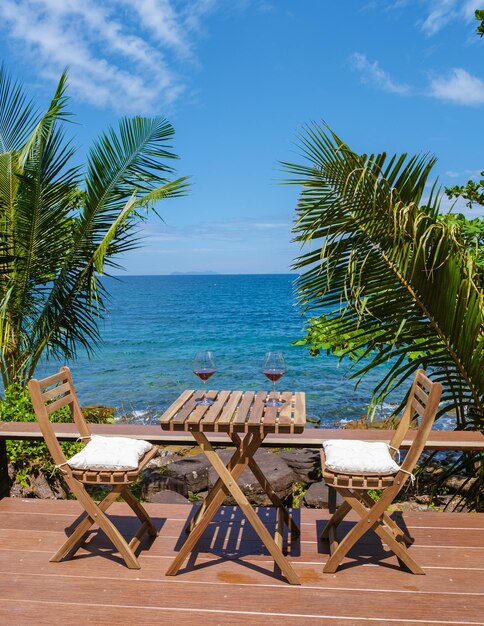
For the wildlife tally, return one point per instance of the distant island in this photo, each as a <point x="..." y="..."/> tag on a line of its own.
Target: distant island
<point x="208" y="272"/>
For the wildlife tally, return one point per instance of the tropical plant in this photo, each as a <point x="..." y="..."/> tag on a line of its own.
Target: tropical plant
<point x="62" y="226"/>
<point x="389" y="280"/>
<point x="479" y="14"/>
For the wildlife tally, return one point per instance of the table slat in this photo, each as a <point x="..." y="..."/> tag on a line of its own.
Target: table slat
<point x="300" y="410"/>
<point x="244" y="407"/>
<point x="286" y="412"/>
<point x="229" y="411"/>
<point x="257" y="410"/>
<point x="236" y="411"/>
<point x="173" y="408"/>
<point x="214" y="411"/>
<point x="180" y="417"/>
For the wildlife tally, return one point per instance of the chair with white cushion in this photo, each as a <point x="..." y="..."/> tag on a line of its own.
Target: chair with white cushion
<point x="354" y="468"/>
<point x="111" y="461"/>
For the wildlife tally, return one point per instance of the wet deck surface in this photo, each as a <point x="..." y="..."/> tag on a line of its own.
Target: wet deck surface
<point x="231" y="578"/>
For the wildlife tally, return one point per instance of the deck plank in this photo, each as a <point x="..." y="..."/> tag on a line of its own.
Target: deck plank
<point x="231" y="563"/>
<point x="173" y="593"/>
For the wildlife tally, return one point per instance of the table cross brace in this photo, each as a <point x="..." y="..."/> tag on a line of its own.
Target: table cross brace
<point x="227" y="484"/>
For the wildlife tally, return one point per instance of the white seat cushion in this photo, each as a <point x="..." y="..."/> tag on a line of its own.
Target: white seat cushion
<point x="110" y="453"/>
<point x="359" y="457"/>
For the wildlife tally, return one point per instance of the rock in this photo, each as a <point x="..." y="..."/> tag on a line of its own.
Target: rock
<point x="460" y="483"/>
<point x="187" y="474"/>
<point x="182" y="451"/>
<point x="39" y="487"/>
<point x="316" y="496"/>
<point x="274" y="468"/>
<point x="364" y="423"/>
<point x="163" y="459"/>
<point x="305" y="463"/>
<point x="168" y="497"/>
<point x="98" y="414"/>
<point x="423" y="499"/>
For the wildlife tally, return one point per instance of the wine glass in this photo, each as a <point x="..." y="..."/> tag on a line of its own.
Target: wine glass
<point x="204" y="368"/>
<point x="274" y="367"/>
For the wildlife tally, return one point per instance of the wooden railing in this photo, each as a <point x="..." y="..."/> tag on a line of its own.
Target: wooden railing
<point x="310" y="438"/>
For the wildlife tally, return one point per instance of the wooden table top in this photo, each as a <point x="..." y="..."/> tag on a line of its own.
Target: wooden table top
<point x="236" y="411"/>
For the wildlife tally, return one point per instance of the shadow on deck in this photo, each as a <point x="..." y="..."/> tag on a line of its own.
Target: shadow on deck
<point x="230" y="578"/>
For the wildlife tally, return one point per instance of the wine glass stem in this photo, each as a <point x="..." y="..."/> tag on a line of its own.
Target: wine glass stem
<point x="274" y="388"/>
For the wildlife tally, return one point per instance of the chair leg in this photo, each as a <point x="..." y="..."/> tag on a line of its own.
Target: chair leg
<point x="400" y="535"/>
<point x="370" y="518"/>
<point x="140" y="511"/>
<point x="397" y="547"/>
<point x="76" y="539"/>
<point x="337" y="517"/>
<point x="96" y="514"/>
<point x="349" y="540"/>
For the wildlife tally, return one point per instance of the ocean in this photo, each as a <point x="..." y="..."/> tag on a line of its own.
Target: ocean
<point x="155" y="324"/>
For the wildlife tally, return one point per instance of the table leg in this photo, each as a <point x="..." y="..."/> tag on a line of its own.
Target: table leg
<point x="267" y="487"/>
<point x="251" y="444"/>
<point x="230" y="481"/>
<point x="216" y="496"/>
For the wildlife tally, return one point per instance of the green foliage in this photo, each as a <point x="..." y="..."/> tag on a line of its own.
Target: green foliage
<point x="470" y="232"/>
<point x="480" y="17"/>
<point x="298" y="492"/>
<point x="30" y="456"/>
<point x="194" y="497"/>
<point x="62" y="225"/>
<point x="375" y="494"/>
<point x="472" y="192"/>
<point x="390" y="280"/>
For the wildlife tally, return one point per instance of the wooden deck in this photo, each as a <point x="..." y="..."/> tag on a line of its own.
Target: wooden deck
<point x="232" y="580"/>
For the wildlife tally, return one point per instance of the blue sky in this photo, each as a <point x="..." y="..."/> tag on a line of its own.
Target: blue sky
<point x="238" y="79"/>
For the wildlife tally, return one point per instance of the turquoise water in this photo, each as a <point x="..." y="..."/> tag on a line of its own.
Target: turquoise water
<point x="157" y="323"/>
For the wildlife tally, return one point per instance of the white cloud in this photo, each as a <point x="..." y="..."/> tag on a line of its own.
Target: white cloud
<point x="442" y="12"/>
<point x="372" y="73"/>
<point x="467" y="174"/>
<point x="459" y="87"/>
<point x="234" y="230"/>
<point x="121" y="54"/>
<point x="470" y="7"/>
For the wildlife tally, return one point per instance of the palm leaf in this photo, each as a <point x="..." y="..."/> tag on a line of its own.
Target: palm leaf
<point x="104" y="229"/>
<point x="384" y="273"/>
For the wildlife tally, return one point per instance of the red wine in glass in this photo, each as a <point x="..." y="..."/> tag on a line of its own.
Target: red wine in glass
<point x="274" y="374"/>
<point x="204" y="368"/>
<point x="274" y="367"/>
<point x="204" y="373"/>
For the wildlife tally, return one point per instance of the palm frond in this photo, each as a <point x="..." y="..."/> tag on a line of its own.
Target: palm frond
<point x="104" y="229"/>
<point x="384" y="273"/>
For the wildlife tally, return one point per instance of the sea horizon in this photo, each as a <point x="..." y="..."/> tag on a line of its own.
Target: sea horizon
<point x="156" y="323"/>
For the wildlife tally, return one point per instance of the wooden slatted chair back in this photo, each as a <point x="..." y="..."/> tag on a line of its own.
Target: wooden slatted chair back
<point x="423" y="402"/>
<point x="49" y="395"/>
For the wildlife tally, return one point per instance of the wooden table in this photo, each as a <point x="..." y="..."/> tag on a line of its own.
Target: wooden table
<point x="244" y="417"/>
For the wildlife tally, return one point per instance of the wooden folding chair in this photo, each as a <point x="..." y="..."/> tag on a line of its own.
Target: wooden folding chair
<point x="354" y="487"/>
<point x="49" y="395"/>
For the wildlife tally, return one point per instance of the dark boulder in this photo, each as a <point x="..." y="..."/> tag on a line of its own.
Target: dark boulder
<point x="169" y="497"/>
<point x="275" y="469"/>
<point x="305" y="462"/>
<point x="316" y="497"/>
<point x="189" y="474"/>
